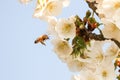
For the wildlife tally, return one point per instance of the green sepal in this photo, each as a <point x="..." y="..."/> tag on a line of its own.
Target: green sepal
<point x="79" y="46"/>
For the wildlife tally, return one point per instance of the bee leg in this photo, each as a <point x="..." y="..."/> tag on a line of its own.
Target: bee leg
<point x="43" y="43"/>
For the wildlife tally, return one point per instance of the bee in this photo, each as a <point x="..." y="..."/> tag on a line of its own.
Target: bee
<point x="41" y="39"/>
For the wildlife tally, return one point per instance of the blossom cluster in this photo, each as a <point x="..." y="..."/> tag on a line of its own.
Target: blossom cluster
<point x="109" y="12"/>
<point x="93" y="56"/>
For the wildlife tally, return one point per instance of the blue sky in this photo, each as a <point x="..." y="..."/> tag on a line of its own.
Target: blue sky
<point x="20" y="58"/>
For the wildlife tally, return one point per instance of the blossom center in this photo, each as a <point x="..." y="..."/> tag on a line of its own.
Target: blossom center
<point x="63" y="46"/>
<point x="117" y="5"/>
<point x="67" y="28"/>
<point x="104" y="74"/>
<point x="99" y="57"/>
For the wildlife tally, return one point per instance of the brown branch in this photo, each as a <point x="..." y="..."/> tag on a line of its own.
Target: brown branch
<point x="92" y="6"/>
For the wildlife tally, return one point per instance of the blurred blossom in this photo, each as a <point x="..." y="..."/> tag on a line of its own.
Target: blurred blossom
<point x="25" y="1"/>
<point x="45" y="8"/>
<point x="40" y="6"/>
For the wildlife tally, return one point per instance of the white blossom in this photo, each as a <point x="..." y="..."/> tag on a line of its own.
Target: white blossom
<point x="106" y="71"/>
<point x="110" y="30"/>
<point x="62" y="48"/>
<point x="96" y="52"/>
<point x="110" y="9"/>
<point x="40" y="6"/>
<point x="53" y="8"/>
<point x="65" y="28"/>
<point x="46" y="8"/>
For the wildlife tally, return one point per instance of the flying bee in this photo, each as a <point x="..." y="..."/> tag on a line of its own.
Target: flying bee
<point x="41" y="39"/>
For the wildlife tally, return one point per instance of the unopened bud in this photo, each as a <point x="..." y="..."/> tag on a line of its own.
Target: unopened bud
<point x="88" y="14"/>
